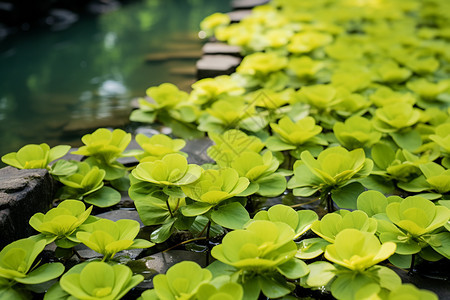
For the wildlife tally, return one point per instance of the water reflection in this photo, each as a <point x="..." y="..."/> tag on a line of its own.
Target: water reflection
<point x="55" y="86"/>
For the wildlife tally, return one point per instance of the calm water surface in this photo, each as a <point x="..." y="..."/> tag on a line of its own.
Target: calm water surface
<point x="57" y="85"/>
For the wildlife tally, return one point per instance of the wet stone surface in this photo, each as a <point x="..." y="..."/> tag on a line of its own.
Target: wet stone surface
<point x="22" y="194"/>
<point x="215" y="65"/>
<point x="221" y="48"/>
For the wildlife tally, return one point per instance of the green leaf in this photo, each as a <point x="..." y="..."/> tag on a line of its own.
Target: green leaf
<point x="162" y="233"/>
<point x="195" y="209"/>
<point x="293" y="269"/>
<point x="104" y="197"/>
<point x="142" y="116"/>
<point x="378" y="183"/>
<point x="346" y="285"/>
<point x="232" y="215"/>
<point x="311" y="248"/>
<point x="63" y="168"/>
<point x="321" y="273"/>
<point x="382" y="155"/>
<point x="273" y="288"/>
<point x="401" y="261"/>
<point x="372" y="203"/>
<point x="409" y="139"/>
<point x="272" y="185"/>
<point x="346" y="196"/>
<point x="42" y="274"/>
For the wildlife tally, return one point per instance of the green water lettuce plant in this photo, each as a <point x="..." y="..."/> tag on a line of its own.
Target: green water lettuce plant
<point x="392" y="167"/>
<point x="169" y="105"/>
<point x="262" y="256"/>
<point x="396" y="119"/>
<point x="263" y="69"/>
<point x="409" y="291"/>
<point x="87" y="184"/>
<point x="442" y="138"/>
<point x="181" y="281"/>
<point x="301" y="135"/>
<point x="359" y="253"/>
<point x="435" y="179"/>
<point x="329" y="226"/>
<point x="300" y="220"/>
<point x="432" y="94"/>
<point x="103" y="148"/>
<point x="214" y="21"/>
<point x="95" y="280"/>
<point x="208" y="90"/>
<point x="157" y="146"/>
<point x="260" y="171"/>
<point x="230" y="144"/>
<point x="210" y="193"/>
<point x="19" y="270"/>
<point x="335" y="170"/>
<point x="356" y="132"/>
<point x="35" y="156"/>
<point x="172" y="170"/>
<point x="61" y="224"/>
<point x="384" y="96"/>
<point x="108" y="237"/>
<point x="414" y="223"/>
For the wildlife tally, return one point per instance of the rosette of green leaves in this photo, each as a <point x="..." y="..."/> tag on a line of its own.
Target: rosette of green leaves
<point x="182" y="281"/>
<point x="392" y="167"/>
<point x="413" y="224"/>
<point x="384" y="96"/>
<point x="329" y="226"/>
<point x="435" y="180"/>
<point x="263" y="69"/>
<point x="213" y="22"/>
<point x="432" y="94"/>
<point x="95" y="280"/>
<point x="230" y="144"/>
<point x="322" y="97"/>
<point x="263" y="257"/>
<point x="169" y="105"/>
<point x="304" y="67"/>
<point x="157" y="146"/>
<point x="397" y="119"/>
<point x="155" y="189"/>
<point x="391" y="72"/>
<point x="108" y="237"/>
<point x="307" y="41"/>
<point x="300" y="220"/>
<point x="260" y="170"/>
<point x="172" y="170"/>
<point x="357" y="254"/>
<point x="17" y="268"/>
<point x="103" y="148"/>
<point x="35" y="156"/>
<point x="299" y="136"/>
<point x="231" y="112"/>
<point x="87" y="184"/>
<point x="409" y="291"/>
<point x="208" y="90"/>
<point x="336" y="171"/>
<point x="210" y="192"/>
<point x="356" y="132"/>
<point x="442" y="138"/>
<point x="61" y="224"/>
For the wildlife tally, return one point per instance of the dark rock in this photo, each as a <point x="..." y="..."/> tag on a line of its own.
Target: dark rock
<point x="215" y="65"/>
<point x="238" y="15"/>
<point x="246" y="4"/>
<point x="22" y="194"/>
<point x="221" y="48"/>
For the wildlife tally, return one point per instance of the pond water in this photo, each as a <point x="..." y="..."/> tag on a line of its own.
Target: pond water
<point x="56" y="86"/>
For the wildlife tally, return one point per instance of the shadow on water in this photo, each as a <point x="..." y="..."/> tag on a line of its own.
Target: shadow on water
<point x="56" y="86"/>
